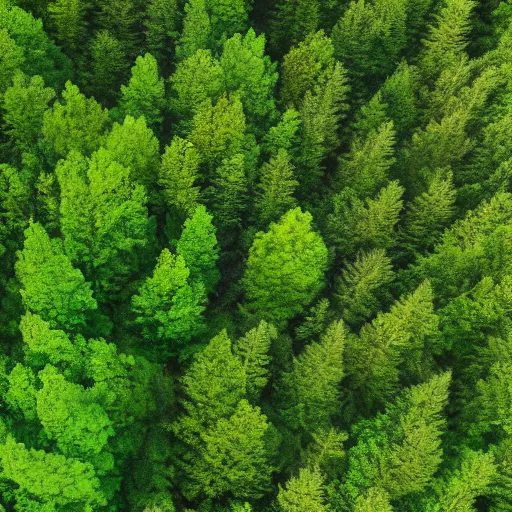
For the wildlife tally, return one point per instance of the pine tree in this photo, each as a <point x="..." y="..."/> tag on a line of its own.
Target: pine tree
<point x="374" y="500"/>
<point x="25" y="102"/>
<point x="68" y="21"/>
<point x="303" y="492"/>
<point x="312" y="387"/>
<point x="134" y="146"/>
<point x="109" y="67"/>
<point x="168" y="307"/>
<point x="361" y="289"/>
<point x="250" y="73"/>
<point x="12" y="60"/>
<point x="233" y="457"/>
<point x="284" y="271"/>
<point x="228" y="195"/>
<point x="163" y="18"/>
<point x="198" y="247"/>
<point x="275" y="189"/>
<point x="448" y="38"/>
<point x="51" y="287"/>
<point x="254" y="351"/>
<point x="365" y="168"/>
<point x="50" y="479"/>
<point x="292" y="21"/>
<point x="197" y="32"/>
<point x="75" y="123"/>
<point x="373" y="359"/>
<point x="307" y="67"/>
<point x="400" y="451"/>
<point x="179" y="172"/>
<point x="284" y="135"/>
<point x="144" y="95"/>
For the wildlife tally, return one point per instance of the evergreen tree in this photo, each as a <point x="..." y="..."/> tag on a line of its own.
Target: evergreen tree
<point x="305" y="491"/>
<point x="76" y="123"/>
<point x="254" y="352"/>
<point x="68" y="18"/>
<point x="109" y="67"/>
<point x="312" y="387"/>
<point x="361" y="288"/>
<point x="168" y="307"/>
<point x="163" y="19"/>
<point x="284" y="271"/>
<point x="198" y="247"/>
<point x="276" y="187"/>
<point x="177" y="177"/>
<point x="284" y="135"/>
<point x="51" y="287"/>
<point x="144" y="95"/>
<point x="197" y="31"/>
<point x="25" y="102"/>
<point x="375" y="499"/>
<point x="12" y="60"/>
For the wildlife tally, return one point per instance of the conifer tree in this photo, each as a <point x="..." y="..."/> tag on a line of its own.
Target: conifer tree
<point x="178" y="174"/>
<point x="198" y="247"/>
<point x="254" y="351"/>
<point x="275" y="189"/>
<point x="197" y="32"/>
<point x="305" y="491"/>
<point x="284" y="135"/>
<point x="233" y="457"/>
<point x="361" y="289"/>
<point x="75" y="123"/>
<point x="109" y="67"/>
<point x="284" y="271"/>
<point x="312" y="387"/>
<point x="12" y="59"/>
<point x="134" y="146"/>
<point x="144" y="95"/>
<point x="163" y="18"/>
<point x="68" y="18"/>
<point x="51" y="287"/>
<point x="365" y="168"/>
<point x="25" y="102"/>
<point x="373" y="359"/>
<point x="374" y="500"/>
<point x="168" y="307"/>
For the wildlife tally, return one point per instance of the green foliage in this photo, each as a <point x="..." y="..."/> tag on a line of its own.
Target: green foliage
<point x="303" y="491"/>
<point x="168" y="307"/>
<point x="284" y="271"/>
<point x="12" y="59"/>
<point x="77" y="123"/>
<point x="25" y="103"/>
<point x="51" y="287"/>
<point x="69" y="23"/>
<point x="254" y="351"/>
<point x="144" y="95"/>
<point x="198" y="247"/>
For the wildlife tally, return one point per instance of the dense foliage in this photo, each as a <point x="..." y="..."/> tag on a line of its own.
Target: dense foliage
<point x="255" y="255"/>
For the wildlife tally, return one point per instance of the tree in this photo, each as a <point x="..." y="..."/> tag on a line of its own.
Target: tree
<point x="25" y="103"/>
<point x="303" y="492"/>
<point x="162" y="22"/>
<point x="365" y="168"/>
<point x="144" y="95"/>
<point x="254" y="351"/>
<point x="284" y="271"/>
<point x="198" y="247"/>
<point x="306" y="67"/>
<point x="362" y="287"/>
<point x="233" y="457"/>
<point x="50" y="478"/>
<point x="284" y="135"/>
<point x="448" y="39"/>
<point x="403" y="335"/>
<point x="197" y="32"/>
<point x="75" y="123"/>
<point x="292" y="21"/>
<point x="12" y="59"/>
<point x="312" y="387"/>
<point x="134" y="146"/>
<point x="276" y="188"/>
<point x="375" y="499"/>
<point x="400" y="451"/>
<point x="228" y="195"/>
<point x="51" y="287"/>
<point x="69" y="23"/>
<point x="213" y="384"/>
<point x="250" y="73"/>
<point x="109" y="67"/>
<point x="168" y="307"/>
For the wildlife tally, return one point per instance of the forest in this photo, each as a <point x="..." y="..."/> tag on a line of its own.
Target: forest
<point x="255" y="256"/>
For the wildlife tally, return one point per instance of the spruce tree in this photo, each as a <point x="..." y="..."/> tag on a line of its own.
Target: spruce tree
<point x="305" y="491"/>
